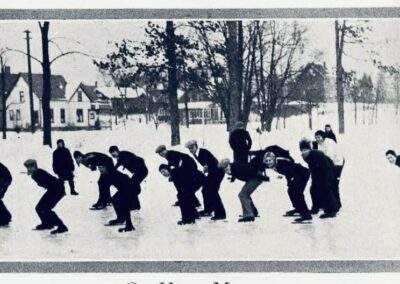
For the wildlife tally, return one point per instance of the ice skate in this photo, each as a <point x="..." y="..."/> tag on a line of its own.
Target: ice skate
<point x="126" y="229"/>
<point x="42" y="227"/>
<point x="291" y="213"/>
<point x="246" y="219"/>
<point x="115" y="222"/>
<point x="61" y="229"/>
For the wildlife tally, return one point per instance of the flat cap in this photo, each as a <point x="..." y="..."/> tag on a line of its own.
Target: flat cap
<point x="30" y="163"/>
<point x="160" y="148"/>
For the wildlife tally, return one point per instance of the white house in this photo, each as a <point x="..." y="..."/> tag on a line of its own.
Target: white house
<point x="88" y="106"/>
<point x="18" y="102"/>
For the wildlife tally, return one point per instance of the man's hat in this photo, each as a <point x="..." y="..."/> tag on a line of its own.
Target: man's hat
<point x="30" y="163"/>
<point x="160" y="149"/>
<point x="191" y="143"/>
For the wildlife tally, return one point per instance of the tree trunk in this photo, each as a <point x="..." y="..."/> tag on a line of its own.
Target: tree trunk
<point x="46" y="96"/>
<point x="309" y="108"/>
<point x="172" y="83"/>
<point x="267" y="121"/>
<point x="355" y="113"/>
<point x="3" y="99"/>
<point x="339" y="36"/>
<point x="232" y="49"/>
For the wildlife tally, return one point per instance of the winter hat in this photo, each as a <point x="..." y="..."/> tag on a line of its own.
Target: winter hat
<point x="77" y="154"/>
<point x="113" y="149"/>
<point x="60" y="141"/>
<point x="305" y="145"/>
<point x="190" y="143"/>
<point x="328" y="125"/>
<point x="163" y="167"/>
<point x="390" y="152"/>
<point x="160" y="149"/>
<point x="30" y="163"/>
<point x="224" y="163"/>
<point x="320" y="133"/>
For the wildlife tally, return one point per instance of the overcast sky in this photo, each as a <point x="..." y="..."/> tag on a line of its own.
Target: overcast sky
<point x="98" y="37"/>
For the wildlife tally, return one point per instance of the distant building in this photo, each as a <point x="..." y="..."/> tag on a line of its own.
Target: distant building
<point x="201" y="109"/>
<point x="89" y="107"/>
<point x="18" y="103"/>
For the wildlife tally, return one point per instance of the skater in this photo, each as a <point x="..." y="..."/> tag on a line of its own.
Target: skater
<point x="392" y="157"/>
<point x="136" y="166"/>
<point x="63" y="165"/>
<point x="322" y="180"/>
<point x="91" y="160"/>
<point x="55" y="191"/>
<point x="121" y="200"/>
<point x="186" y="194"/>
<point x="252" y="178"/>
<point x="187" y="166"/>
<point x="297" y="177"/>
<point x="212" y="181"/>
<point x="240" y="142"/>
<point x="329" y="133"/>
<point x="5" y="181"/>
<point x="330" y="149"/>
<point x="258" y="155"/>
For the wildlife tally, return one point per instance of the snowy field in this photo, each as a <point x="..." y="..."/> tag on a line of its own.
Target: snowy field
<point x="366" y="228"/>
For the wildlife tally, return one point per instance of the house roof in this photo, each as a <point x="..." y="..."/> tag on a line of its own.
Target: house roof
<point x="93" y="92"/>
<point x="129" y="93"/>
<point x="58" y="84"/>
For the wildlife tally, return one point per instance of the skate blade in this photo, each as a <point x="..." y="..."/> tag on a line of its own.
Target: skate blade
<point x="304" y="222"/>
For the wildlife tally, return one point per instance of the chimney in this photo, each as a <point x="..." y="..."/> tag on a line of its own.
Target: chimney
<point x="7" y="69"/>
<point x="95" y="84"/>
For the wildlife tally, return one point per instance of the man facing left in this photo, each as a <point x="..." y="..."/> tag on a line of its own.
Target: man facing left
<point x="55" y="191"/>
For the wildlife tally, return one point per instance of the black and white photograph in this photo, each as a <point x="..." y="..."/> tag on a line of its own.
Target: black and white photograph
<point x="208" y="136"/>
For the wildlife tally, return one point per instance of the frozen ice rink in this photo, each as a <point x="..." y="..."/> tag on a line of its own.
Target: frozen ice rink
<point x="366" y="228"/>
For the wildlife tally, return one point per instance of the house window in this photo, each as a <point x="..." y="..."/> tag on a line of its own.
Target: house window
<point x="79" y="115"/>
<point x="11" y="112"/>
<point x="79" y="95"/>
<point x="18" y="114"/>
<point x="52" y="115"/>
<point x="36" y="114"/>
<point x="92" y="115"/>
<point x="21" y="97"/>
<point x="62" y="115"/>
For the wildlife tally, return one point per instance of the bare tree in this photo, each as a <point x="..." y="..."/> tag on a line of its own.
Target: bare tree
<point x="345" y="33"/>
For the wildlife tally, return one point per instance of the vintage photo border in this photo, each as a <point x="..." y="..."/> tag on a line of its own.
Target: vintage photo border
<point x="320" y="266"/>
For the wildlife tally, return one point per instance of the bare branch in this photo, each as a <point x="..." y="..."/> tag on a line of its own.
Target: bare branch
<point x="69" y="53"/>
<point x="24" y="53"/>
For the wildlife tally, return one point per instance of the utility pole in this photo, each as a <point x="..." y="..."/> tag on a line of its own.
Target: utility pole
<point x="3" y="97"/>
<point x="33" y="122"/>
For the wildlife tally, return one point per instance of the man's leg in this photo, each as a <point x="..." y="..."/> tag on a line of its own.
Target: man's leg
<point x="72" y="185"/>
<point x="5" y="215"/>
<point x="218" y="206"/>
<point x="104" y="192"/>
<point x="245" y="199"/>
<point x="126" y="212"/>
<point x="338" y="174"/>
<point x="117" y="201"/>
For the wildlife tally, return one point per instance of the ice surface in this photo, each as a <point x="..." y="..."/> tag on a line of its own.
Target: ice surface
<point x="366" y="228"/>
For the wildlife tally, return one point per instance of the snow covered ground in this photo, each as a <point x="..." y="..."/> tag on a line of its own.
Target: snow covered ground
<point x="366" y="228"/>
